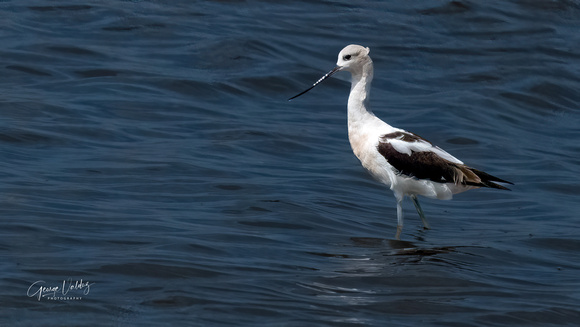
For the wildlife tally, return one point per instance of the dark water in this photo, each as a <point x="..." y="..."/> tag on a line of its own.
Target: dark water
<point x="148" y="150"/>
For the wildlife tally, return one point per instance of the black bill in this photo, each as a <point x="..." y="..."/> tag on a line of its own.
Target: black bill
<point x="327" y="75"/>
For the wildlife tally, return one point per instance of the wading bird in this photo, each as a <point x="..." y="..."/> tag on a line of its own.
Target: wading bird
<point x="406" y="162"/>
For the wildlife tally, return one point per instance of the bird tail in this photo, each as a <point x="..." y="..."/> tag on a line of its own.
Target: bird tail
<point x="487" y="180"/>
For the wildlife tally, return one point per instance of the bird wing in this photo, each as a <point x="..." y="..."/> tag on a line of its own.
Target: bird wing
<point x="407" y="142"/>
<point x="413" y="156"/>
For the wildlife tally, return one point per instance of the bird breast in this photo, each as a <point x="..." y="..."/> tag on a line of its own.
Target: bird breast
<point x="364" y="142"/>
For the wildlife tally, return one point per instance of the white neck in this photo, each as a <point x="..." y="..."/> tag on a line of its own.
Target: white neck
<point x="364" y="128"/>
<point x="358" y="109"/>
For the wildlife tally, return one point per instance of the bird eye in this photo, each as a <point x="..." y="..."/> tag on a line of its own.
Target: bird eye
<point x="347" y="57"/>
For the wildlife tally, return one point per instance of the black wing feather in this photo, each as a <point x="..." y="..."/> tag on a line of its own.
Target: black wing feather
<point x="428" y="165"/>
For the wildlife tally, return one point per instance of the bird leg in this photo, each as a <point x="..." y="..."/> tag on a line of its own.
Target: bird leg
<point x="399" y="216"/>
<point x="420" y="211"/>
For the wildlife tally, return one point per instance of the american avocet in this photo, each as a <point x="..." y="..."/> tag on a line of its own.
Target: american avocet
<point x="406" y="162"/>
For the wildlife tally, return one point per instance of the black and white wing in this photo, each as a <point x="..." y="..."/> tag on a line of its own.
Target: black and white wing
<point x="413" y="156"/>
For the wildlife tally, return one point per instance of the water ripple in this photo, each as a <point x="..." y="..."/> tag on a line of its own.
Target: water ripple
<point x="149" y="149"/>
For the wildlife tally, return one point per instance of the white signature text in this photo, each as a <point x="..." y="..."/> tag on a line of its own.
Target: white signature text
<point x="68" y="290"/>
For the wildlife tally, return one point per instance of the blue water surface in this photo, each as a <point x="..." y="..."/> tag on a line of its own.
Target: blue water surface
<point x="153" y="172"/>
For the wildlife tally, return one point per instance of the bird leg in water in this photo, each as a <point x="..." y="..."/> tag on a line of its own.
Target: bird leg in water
<point x="420" y="211"/>
<point x="399" y="198"/>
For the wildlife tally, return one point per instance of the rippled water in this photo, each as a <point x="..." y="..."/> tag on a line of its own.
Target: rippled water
<point x="148" y="150"/>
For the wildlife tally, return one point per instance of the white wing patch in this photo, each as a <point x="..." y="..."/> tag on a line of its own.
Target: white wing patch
<point x="407" y="143"/>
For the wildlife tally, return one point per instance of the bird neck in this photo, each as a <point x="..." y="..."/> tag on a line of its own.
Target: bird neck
<point x="358" y="108"/>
